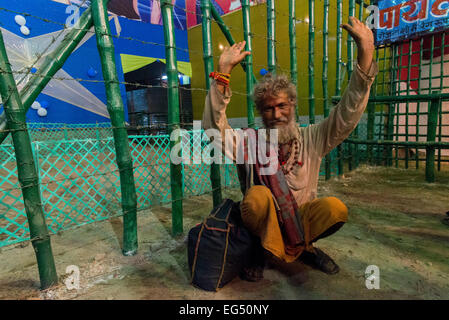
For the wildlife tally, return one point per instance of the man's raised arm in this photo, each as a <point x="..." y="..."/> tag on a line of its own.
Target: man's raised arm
<point x="219" y="95"/>
<point x="343" y="119"/>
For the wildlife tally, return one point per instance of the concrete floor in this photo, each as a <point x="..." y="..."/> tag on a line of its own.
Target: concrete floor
<point x="395" y="223"/>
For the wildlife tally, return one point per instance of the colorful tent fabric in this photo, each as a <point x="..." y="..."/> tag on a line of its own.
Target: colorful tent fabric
<point x="132" y="62"/>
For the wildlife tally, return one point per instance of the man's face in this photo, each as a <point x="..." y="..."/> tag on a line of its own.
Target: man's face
<point x="277" y="111"/>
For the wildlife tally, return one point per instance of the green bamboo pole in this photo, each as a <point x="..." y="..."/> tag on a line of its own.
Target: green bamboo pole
<point x="338" y="78"/>
<point x="432" y="44"/>
<point x="410" y="44"/>
<point x="350" y="56"/>
<point x="215" y="176"/>
<point x="400" y="55"/>
<point x="421" y="48"/>
<point x="248" y="62"/>
<point x="52" y="63"/>
<point x="370" y="129"/>
<point x="356" y="130"/>
<point x="350" y="41"/>
<point x="116" y="111"/>
<point x="371" y="116"/>
<point x="293" y="46"/>
<point x="371" y="125"/>
<point x="26" y="169"/>
<point x="271" y="36"/>
<point x="311" y="61"/>
<point x="176" y="177"/>
<point x="432" y="121"/>
<point x="327" y="161"/>
<point x="227" y="33"/>
<point x="386" y="56"/>
<point x="440" y="115"/>
<point x="391" y="105"/>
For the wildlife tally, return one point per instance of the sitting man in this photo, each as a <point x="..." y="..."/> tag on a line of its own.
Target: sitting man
<point x="270" y="204"/>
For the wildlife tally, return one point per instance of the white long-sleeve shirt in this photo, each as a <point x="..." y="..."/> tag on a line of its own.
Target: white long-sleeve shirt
<point x="315" y="140"/>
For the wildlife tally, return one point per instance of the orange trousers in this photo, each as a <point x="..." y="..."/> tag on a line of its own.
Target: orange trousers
<point x="318" y="216"/>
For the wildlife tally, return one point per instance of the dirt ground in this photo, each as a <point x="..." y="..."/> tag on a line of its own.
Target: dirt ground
<point x="396" y="222"/>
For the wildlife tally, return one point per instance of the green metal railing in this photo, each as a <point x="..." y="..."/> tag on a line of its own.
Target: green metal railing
<point x="400" y="121"/>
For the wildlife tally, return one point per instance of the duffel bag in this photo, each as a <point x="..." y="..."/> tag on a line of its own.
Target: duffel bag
<point x="219" y="247"/>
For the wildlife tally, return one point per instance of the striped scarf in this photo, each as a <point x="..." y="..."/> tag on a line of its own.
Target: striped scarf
<point x="288" y="213"/>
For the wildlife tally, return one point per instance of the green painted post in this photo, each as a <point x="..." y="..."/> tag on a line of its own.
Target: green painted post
<point x="440" y="116"/>
<point x="116" y="111"/>
<point x="370" y="127"/>
<point x="350" y="41"/>
<point x="410" y="45"/>
<point x="338" y="78"/>
<point x="421" y="48"/>
<point x="176" y="177"/>
<point x="356" y="130"/>
<point x="391" y="106"/>
<point x="52" y="63"/>
<point x="350" y="56"/>
<point x="225" y="30"/>
<point x="271" y="37"/>
<point x="327" y="161"/>
<point x="390" y="130"/>
<point x="293" y="47"/>
<point x="26" y="169"/>
<point x="215" y="176"/>
<point x="432" y="122"/>
<point x="370" y="130"/>
<point x="311" y="61"/>
<point x="248" y="62"/>
<point x="397" y="114"/>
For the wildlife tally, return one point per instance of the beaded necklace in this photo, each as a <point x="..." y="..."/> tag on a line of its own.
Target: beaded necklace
<point x="287" y="165"/>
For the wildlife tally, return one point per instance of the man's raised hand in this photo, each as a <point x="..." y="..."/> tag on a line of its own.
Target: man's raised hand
<point x="364" y="39"/>
<point x="232" y="56"/>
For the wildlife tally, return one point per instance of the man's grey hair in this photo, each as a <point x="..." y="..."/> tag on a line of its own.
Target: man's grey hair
<point x="270" y="86"/>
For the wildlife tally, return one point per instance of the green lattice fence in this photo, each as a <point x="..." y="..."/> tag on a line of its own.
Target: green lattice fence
<point x="80" y="182"/>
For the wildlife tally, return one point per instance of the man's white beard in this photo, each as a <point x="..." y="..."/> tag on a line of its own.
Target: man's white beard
<point x="288" y="132"/>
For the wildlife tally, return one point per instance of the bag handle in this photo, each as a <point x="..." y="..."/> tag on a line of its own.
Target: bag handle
<point x="222" y="211"/>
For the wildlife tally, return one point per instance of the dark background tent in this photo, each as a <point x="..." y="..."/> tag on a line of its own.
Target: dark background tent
<point x="148" y="106"/>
